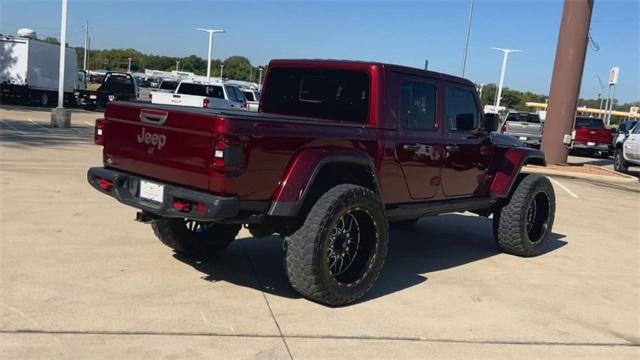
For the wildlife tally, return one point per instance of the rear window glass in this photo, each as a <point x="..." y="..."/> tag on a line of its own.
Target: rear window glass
<point x="524" y="117"/>
<point x="327" y="94"/>
<point x="169" y="85"/>
<point x="118" y="83"/>
<point x="590" y="123"/>
<point x="214" y="91"/>
<point x="249" y="95"/>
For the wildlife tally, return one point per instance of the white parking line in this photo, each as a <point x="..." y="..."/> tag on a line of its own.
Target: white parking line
<point x="564" y="188"/>
<point x="40" y="126"/>
<point x="14" y="128"/>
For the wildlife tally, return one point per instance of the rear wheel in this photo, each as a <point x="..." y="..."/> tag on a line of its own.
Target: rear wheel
<point x="619" y="164"/>
<point x="338" y="253"/>
<point x="194" y="238"/>
<point x="522" y="227"/>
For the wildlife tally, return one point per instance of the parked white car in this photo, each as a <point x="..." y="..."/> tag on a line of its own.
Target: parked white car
<point x="253" y="98"/>
<point x="204" y="94"/>
<point x="628" y="154"/>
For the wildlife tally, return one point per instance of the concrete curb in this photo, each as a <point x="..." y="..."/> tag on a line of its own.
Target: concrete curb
<point x="616" y="177"/>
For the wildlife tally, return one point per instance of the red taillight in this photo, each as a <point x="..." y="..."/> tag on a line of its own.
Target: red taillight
<point x="244" y="106"/>
<point x="201" y="208"/>
<point x="504" y="128"/>
<point x="205" y="103"/>
<point x="98" y="135"/>
<point x="105" y="184"/>
<point x="181" y="205"/>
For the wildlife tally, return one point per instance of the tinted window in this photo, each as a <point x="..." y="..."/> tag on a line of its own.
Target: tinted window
<point x="590" y="123"/>
<point x="524" y="117"/>
<point x="214" y="91"/>
<point x="326" y="94"/>
<point x="169" y="85"/>
<point x="462" y="113"/>
<point x="118" y="84"/>
<point x="418" y="105"/>
<point x="239" y="95"/>
<point x="249" y="95"/>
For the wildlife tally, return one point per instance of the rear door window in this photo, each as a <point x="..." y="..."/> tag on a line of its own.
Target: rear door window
<point x="418" y="105"/>
<point x="340" y="95"/>
<point x="461" y="110"/>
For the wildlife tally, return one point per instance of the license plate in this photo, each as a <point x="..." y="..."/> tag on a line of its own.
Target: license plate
<point x="176" y="101"/>
<point x="523" y="138"/>
<point x="151" y="191"/>
<point x="92" y="97"/>
<point x="591" y="143"/>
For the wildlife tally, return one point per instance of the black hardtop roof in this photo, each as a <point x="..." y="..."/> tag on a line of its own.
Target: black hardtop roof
<point x="392" y="67"/>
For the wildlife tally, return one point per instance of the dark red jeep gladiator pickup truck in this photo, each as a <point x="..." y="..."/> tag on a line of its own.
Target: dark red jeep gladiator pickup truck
<point x="337" y="151"/>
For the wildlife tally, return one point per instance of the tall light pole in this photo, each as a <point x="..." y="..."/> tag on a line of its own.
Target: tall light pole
<point x="600" y="93"/>
<point x="260" y="77"/>
<point x="177" y="65"/>
<point x="211" y="32"/>
<point x="505" y="57"/>
<point x="61" y="117"/>
<point x="221" y="68"/>
<point x="63" y="47"/>
<point x="86" y="44"/>
<point x="466" y="40"/>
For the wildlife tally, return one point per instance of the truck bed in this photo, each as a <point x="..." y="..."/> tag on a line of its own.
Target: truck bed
<point x="187" y="155"/>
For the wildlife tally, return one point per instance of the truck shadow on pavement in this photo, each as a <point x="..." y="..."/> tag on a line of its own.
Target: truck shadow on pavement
<point x="434" y="244"/>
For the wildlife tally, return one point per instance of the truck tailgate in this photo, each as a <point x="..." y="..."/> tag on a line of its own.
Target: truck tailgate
<point x="177" y="99"/>
<point x="523" y="128"/>
<point x="164" y="144"/>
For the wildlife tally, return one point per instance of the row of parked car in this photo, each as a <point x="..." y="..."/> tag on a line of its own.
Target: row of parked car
<point x="203" y="93"/>
<point x="590" y="136"/>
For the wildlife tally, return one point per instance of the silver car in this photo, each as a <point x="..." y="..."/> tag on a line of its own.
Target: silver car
<point x="525" y="126"/>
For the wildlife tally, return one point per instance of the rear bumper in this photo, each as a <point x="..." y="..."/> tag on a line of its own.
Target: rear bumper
<point x="596" y="147"/>
<point x="126" y="190"/>
<point x="526" y="139"/>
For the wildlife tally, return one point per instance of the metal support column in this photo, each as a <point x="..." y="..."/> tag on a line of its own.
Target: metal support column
<point x="567" y="76"/>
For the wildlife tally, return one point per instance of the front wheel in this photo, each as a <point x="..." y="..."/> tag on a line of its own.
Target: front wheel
<point x="194" y="238"/>
<point x="619" y="164"/>
<point x="338" y="253"/>
<point x="522" y="227"/>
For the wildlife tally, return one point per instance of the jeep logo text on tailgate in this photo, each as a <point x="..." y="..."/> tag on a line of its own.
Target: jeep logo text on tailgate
<point x="148" y="138"/>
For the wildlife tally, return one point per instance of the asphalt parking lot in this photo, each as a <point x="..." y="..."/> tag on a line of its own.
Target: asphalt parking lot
<point x="80" y="279"/>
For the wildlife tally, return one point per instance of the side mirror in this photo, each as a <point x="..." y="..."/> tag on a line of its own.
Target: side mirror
<point x="491" y="122"/>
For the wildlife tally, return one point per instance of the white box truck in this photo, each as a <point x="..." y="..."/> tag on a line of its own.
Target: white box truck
<point x="29" y="70"/>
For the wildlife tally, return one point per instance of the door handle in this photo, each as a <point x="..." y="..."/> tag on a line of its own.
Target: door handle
<point x="452" y="148"/>
<point x="412" y="147"/>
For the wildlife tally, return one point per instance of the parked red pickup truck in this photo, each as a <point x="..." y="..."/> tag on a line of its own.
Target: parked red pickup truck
<point x="337" y="151"/>
<point x="592" y="136"/>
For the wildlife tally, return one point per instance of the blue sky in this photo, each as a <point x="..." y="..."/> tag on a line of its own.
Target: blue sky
<point x="402" y="32"/>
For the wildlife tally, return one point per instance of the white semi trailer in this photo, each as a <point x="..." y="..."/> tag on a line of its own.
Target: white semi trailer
<point x="29" y="70"/>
